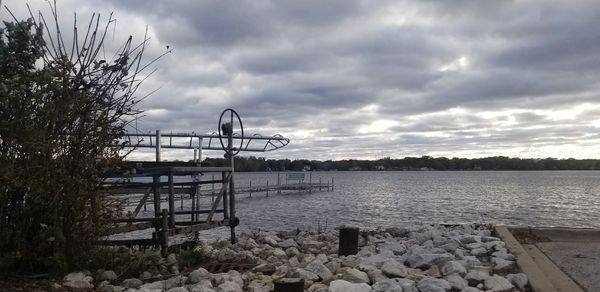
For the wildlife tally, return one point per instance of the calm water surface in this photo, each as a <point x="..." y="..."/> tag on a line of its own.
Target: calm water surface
<point x="535" y="198"/>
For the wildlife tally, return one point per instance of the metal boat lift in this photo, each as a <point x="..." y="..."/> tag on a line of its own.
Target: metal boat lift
<point x="170" y="178"/>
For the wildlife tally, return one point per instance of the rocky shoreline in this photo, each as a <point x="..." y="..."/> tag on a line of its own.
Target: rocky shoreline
<point x="420" y="258"/>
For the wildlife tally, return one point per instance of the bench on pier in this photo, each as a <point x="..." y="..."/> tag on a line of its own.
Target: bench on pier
<point x="297" y="177"/>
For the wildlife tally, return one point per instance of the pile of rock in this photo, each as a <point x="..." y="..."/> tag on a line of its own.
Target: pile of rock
<point x="427" y="258"/>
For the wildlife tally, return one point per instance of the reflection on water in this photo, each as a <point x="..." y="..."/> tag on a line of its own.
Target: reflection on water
<point x="538" y="198"/>
<point x="369" y="199"/>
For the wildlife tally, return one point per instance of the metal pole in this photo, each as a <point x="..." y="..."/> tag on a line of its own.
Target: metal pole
<point x="278" y="184"/>
<point x="267" y="188"/>
<point x="157" y="145"/>
<point x="319" y="183"/>
<point x="332" y="184"/>
<point x="231" y="183"/>
<point x="213" y="189"/>
<point x="250" y="189"/>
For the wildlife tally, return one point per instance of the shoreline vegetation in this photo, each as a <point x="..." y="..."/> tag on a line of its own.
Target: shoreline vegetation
<point x="424" y="163"/>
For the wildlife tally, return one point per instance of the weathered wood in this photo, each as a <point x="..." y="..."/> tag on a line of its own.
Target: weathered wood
<point x="142" y="202"/>
<point x="164" y="233"/>
<point x="131" y="227"/>
<point x="217" y="200"/>
<point x="171" y="202"/>
<point x="127" y="242"/>
<point x="197" y="212"/>
<point x="195" y="227"/>
<point x="289" y="285"/>
<point x="348" y="241"/>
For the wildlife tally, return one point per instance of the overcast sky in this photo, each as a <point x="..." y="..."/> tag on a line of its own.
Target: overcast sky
<point x="366" y="79"/>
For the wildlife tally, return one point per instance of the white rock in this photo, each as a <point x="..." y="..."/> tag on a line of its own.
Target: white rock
<point x="201" y="288"/>
<point x="453" y="267"/>
<point x="355" y="276"/>
<point x="197" y="275"/>
<point x="108" y="275"/>
<point x="470" y="289"/>
<point x="457" y="282"/>
<point x="504" y="255"/>
<point x="424" y="261"/>
<point x="306" y="275"/>
<point x="502" y="266"/>
<point x="388" y="285"/>
<point x="394" y="269"/>
<point x="288" y="243"/>
<point x="376" y="276"/>
<point x="344" y="286"/>
<point x="408" y="285"/>
<point x="520" y="280"/>
<point x="475" y="277"/>
<point x="178" y="289"/>
<point x="132" y="283"/>
<point x="229" y="287"/>
<point x="497" y="284"/>
<point x="78" y="280"/>
<point x="320" y="269"/>
<point x="429" y="284"/>
<point x="478" y="252"/>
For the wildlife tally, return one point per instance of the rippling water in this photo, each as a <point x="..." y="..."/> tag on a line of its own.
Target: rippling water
<point x="535" y="198"/>
<point x="371" y="199"/>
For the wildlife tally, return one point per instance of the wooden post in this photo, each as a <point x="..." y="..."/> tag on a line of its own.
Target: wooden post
<point x="213" y="189"/>
<point x="171" y="201"/>
<point x="328" y="186"/>
<point x="332" y="184"/>
<point x="225" y="202"/>
<point x="250" y="189"/>
<point x="278" y="184"/>
<point x="348" y="241"/>
<point x="156" y="189"/>
<point x="319" y="183"/>
<point x="289" y="285"/>
<point x="267" y="188"/>
<point x="164" y="236"/>
<point x="181" y="202"/>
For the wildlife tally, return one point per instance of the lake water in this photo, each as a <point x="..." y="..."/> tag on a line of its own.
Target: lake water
<point x="391" y="198"/>
<point x="535" y="198"/>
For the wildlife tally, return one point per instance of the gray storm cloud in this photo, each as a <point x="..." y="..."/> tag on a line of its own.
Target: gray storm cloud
<point x="360" y="79"/>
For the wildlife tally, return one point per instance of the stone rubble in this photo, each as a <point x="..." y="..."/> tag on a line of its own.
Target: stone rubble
<point x="419" y="258"/>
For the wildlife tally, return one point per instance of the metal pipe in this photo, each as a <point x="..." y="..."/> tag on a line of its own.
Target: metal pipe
<point x="157" y="145"/>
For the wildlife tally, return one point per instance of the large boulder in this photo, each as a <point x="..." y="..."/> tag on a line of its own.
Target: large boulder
<point x="394" y="269"/>
<point x="424" y="261"/>
<point x="78" y="280"/>
<point x="345" y="286"/>
<point x="497" y="284"/>
<point x="355" y="276"/>
<point x="429" y="284"/>
<point x="453" y="267"/>
<point x="320" y="269"/>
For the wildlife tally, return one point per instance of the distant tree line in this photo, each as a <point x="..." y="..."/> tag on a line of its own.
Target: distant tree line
<point x="252" y="163"/>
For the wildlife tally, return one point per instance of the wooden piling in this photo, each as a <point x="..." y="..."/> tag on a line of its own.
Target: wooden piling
<point x="348" y="241"/>
<point x="171" y="201"/>
<point x="289" y="285"/>
<point x="164" y="240"/>
<point x="278" y="184"/>
<point x="267" y="188"/>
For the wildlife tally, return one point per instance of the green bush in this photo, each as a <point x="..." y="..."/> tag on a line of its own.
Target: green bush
<point x="62" y="109"/>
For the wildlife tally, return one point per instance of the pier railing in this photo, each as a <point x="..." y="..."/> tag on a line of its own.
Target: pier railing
<point x="158" y="184"/>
